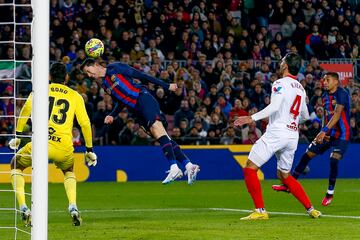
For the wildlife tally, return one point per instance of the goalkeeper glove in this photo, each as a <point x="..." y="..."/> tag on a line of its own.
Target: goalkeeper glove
<point x="14" y="143"/>
<point x="90" y="157"/>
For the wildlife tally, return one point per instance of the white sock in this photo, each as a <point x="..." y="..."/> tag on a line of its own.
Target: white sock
<point x="330" y="192"/>
<point x="23" y="206"/>
<point x="174" y="166"/>
<point x="260" y="210"/>
<point x="72" y="206"/>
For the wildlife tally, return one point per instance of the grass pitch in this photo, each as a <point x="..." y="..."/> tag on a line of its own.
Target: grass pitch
<point x="206" y="210"/>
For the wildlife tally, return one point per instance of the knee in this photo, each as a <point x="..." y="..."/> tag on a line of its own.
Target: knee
<point x="250" y="164"/>
<point x="282" y="175"/>
<point x="310" y="154"/>
<point x="15" y="165"/>
<point x="157" y="129"/>
<point x="336" y="155"/>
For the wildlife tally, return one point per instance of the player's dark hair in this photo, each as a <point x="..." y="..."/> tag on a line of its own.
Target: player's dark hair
<point x="332" y="74"/>
<point x="58" y="72"/>
<point x="293" y="60"/>
<point x="87" y="63"/>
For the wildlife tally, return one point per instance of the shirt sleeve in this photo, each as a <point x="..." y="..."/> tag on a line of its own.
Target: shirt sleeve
<point x="24" y="114"/>
<point x="84" y="122"/>
<point x="145" y="78"/>
<point x="116" y="109"/>
<point x="277" y="96"/>
<point x="304" y="114"/>
<point x="342" y="98"/>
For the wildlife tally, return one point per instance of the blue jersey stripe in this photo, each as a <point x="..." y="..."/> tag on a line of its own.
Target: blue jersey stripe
<point x="124" y="89"/>
<point x="107" y="86"/>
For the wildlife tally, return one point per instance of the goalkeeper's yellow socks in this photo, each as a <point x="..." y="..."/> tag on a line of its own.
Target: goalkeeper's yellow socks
<point x="70" y="186"/>
<point x="18" y="183"/>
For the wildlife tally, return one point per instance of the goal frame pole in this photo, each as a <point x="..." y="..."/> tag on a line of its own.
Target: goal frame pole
<point x="40" y="113"/>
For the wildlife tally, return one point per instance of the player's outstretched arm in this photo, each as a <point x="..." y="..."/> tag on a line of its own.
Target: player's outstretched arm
<point x="22" y="120"/>
<point x="334" y="119"/>
<point x="84" y="122"/>
<point x="145" y="78"/>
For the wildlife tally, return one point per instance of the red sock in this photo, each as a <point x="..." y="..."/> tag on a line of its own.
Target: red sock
<point x="298" y="191"/>
<point x="254" y="188"/>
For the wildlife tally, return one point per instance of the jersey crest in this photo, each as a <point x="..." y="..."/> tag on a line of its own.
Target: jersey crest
<point x="277" y="89"/>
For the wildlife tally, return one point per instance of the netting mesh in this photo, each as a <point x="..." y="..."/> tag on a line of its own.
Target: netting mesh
<point x="15" y="86"/>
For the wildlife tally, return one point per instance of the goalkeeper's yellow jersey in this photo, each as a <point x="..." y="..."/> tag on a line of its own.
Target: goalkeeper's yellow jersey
<point x="64" y="105"/>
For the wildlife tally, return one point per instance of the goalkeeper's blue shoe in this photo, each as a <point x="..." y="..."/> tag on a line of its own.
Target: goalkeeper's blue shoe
<point x="173" y="174"/>
<point x="25" y="214"/>
<point x="75" y="215"/>
<point x="192" y="173"/>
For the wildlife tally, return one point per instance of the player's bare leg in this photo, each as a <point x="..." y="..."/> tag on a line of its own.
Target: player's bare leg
<point x="18" y="183"/>
<point x="70" y="188"/>
<point x="254" y="188"/>
<point x="301" y="168"/>
<point x="172" y="152"/>
<point x="299" y="193"/>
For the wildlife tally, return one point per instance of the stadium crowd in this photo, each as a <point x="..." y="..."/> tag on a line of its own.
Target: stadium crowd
<point x="223" y="54"/>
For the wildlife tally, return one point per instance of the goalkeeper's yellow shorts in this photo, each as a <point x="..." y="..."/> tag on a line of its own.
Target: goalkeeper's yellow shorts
<point x="61" y="158"/>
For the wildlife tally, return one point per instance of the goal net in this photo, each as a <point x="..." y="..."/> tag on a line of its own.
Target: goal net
<point x="24" y="37"/>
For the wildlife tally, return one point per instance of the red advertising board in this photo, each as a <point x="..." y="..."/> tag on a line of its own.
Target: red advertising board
<point x="345" y="70"/>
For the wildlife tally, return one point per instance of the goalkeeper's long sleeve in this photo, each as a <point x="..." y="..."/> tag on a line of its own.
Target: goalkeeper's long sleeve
<point x="84" y="122"/>
<point x="24" y="114"/>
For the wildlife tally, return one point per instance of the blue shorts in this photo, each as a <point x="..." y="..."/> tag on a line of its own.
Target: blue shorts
<point x="147" y="110"/>
<point x="337" y="145"/>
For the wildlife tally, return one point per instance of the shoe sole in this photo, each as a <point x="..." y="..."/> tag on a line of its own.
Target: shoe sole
<point x="253" y="219"/>
<point x="76" y="219"/>
<point x="178" y="175"/>
<point x="26" y="219"/>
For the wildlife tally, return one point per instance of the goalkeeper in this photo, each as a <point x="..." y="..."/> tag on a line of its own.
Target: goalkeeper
<point x="64" y="105"/>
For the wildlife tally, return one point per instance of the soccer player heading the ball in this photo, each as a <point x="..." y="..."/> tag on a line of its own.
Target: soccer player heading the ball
<point x="281" y="137"/>
<point x="117" y="79"/>
<point x="64" y="104"/>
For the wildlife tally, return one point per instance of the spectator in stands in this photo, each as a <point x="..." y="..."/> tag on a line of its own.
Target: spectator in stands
<point x="183" y="112"/>
<point x="250" y="128"/>
<point x="127" y="134"/>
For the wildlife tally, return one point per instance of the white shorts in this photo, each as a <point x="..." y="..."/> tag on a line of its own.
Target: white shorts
<point x="268" y="145"/>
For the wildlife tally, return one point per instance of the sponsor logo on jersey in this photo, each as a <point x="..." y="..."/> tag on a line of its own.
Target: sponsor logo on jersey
<point x="277" y="89"/>
<point x="292" y="126"/>
<point x="51" y="137"/>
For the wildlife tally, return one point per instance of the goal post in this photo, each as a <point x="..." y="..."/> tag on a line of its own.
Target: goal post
<point x="40" y="43"/>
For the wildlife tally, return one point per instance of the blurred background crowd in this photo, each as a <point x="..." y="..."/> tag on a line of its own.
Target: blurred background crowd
<point x="223" y="55"/>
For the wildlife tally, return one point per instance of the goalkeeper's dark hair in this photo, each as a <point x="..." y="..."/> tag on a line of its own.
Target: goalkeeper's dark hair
<point x="293" y="60"/>
<point x="58" y="72"/>
<point x="87" y="63"/>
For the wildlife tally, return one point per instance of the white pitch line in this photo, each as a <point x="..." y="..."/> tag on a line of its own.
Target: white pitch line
<point x="201" y="209"/>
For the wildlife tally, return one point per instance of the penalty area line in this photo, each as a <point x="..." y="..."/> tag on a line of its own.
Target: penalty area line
<point x="200" y="209"/>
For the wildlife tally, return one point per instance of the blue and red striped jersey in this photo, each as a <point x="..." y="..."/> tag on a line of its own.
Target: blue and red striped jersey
<point x="342" y="128"/>
<point x="120" y="84"/>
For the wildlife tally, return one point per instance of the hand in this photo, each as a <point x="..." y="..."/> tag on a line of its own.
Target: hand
<point x="109" y="119"/>
<point x="321" y="137"/>
<point x="14" y="143"/>
<point x="173" y="87"/>
<point x="243" y="120"/>
<point x="90" y="158"/>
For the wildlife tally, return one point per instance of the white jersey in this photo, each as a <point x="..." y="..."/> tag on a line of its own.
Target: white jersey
<point x="287" y="106"/>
